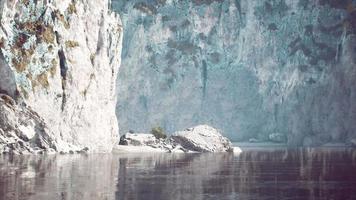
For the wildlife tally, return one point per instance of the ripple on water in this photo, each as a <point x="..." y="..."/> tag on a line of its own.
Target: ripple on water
<point x="251" y="174"/>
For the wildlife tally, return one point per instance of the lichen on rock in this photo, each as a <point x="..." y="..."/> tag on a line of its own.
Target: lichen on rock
<point x="40" y="50"/>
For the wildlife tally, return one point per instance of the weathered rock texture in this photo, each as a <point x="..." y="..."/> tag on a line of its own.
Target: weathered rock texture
<point x="61" y="58"/>
<point x="201" y="138"/>
<point x="248" y="67"/>
<point x="138" y="139"/>
<point x="22" y="130"/>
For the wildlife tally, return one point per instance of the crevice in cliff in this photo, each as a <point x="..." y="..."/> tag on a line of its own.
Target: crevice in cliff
<point x="100" y="42"/>
<point x="204" y="75"/>
<point x="63" y="71"/>
<point x="63" y="67"/>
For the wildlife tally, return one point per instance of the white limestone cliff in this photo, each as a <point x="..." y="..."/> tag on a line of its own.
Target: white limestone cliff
<point x="248" y="68"/>
<point x="60" y="58"/>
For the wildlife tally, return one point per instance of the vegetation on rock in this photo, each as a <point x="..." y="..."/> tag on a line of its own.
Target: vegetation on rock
<point x="158" y="132"/>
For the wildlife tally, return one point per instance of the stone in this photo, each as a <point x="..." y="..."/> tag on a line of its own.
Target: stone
<point x="277" y="137"/>
<point x="23" y="131"/>
<point x="138" y="139"/>
<point x="202" y="138"/>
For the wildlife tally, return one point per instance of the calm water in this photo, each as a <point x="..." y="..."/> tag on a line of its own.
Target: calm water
<point x="253" y="174"/>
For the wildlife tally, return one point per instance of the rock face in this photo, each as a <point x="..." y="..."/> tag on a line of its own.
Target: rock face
<point x="22" y="130"/>
<point x="248" y="68"/>
<point x="60" y="58"/>
<point x="202" y="138"/>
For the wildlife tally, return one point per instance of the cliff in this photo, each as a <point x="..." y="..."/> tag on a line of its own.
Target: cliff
<point x="248" y="68"/>
<point x="59" y="61"/>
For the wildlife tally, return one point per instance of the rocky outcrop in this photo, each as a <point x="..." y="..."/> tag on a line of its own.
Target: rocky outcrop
<point x="202" y="138"/>
<point x="143" y="142"/>
<point x="60" y="58"/>
<point x="138" y="139"/>
<point x="22" y="130"/>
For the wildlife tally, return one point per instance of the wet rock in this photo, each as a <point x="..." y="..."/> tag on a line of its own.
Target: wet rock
<point x="83" y="151"/>
<point x="177" y="148"/>
<point x="277" y="137"/>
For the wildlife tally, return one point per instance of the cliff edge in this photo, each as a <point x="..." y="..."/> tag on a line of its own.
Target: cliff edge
<point x="59" y="61"/>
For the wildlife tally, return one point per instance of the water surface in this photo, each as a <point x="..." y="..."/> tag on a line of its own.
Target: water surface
<point x="253" y="174"/>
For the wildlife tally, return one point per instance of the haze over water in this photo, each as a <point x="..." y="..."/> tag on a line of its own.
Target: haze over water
<point x="253" y="174"/>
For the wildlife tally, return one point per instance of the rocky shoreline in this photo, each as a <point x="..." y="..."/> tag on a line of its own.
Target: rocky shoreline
<point x="201" y="138"/>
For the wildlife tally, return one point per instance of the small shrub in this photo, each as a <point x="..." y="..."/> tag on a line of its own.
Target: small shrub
<point x="43" y="80"/>
<point x="72" y="9"/>
<point x="71" y="44"/>
<point x="158" y="133"/>
<point x="48" y="34"/>
<point x="53" y="69"/>
<point x="92" y="57"/>
<point x="62" y="19"/>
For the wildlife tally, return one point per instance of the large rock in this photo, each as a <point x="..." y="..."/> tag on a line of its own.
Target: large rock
<point x="22" y="130"/>
<point x="61" y="58"/>
<point x="202" y="138"/>
<point x="138" y="139"/>
<point x="277" y="137"/>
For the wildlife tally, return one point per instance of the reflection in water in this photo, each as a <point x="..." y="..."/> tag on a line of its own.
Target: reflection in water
<point x="253" y="174"/>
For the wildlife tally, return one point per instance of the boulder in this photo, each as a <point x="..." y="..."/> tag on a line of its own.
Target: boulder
<point x="23" y="131"/>
<point x="277" y="137"/>
<point x="202" y="138"/>
<point x="138" y="139"/>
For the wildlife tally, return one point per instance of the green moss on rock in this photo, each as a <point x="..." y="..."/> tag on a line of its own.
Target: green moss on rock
<point x="158" y="133"/>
